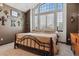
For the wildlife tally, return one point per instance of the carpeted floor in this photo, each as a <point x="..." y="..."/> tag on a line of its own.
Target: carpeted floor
<point x="16" y="52"/>
<point x="65" y="50"/>
<point x="8" y="50"/>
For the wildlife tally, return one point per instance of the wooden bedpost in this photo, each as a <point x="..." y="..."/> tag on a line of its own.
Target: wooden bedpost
<point x="15" y="42"/>
<point x="51" y="49"/>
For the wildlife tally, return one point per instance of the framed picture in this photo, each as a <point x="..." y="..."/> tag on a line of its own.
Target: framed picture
<point x="14" y="13"/>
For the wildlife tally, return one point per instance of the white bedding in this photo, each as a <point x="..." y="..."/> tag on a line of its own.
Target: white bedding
<point x="54" y="35"/>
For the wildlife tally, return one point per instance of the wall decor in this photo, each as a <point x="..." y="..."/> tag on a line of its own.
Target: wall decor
<point x="14" y="13"/>
<point x="72" y="19"/>
<point x="3" y="20"/>
<point x="13" y="23"/>
<point x="6" y="12"/>
<point x="18" y="23"/>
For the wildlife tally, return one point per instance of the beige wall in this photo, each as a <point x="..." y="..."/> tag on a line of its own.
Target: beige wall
<point x="72" y="10"/>
<point x="7" y="32"/>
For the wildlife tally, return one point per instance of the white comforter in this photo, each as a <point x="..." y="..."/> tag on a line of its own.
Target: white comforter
<point x="53" y="36"/>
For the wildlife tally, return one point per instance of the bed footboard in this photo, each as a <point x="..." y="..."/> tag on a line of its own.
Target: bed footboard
<point x="31" y="43"/>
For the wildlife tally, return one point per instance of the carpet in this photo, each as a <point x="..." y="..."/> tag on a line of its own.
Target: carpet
<point x="16" y="52"/>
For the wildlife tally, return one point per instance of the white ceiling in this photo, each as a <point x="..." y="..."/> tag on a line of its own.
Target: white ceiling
<point x="22" y="6"/>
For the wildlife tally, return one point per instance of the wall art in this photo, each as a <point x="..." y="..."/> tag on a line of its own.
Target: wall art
<point x="14" y="13"/>
<point x="19" y="23"/>
<point x="3" y="20"/>
<point x="13" y="23"/>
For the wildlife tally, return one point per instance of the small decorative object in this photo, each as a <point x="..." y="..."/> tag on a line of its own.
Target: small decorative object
<point x="13" y="23"/>
<point x="18" y="23"/>
<point x="6" y="12"/>
<point x="3" y="20"/>
<point x="14" y="13"/>
<point x="72" y="19"/>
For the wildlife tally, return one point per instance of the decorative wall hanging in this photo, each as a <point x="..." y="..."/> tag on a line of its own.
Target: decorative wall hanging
<point x="3" y="16"/>
<point x="13" y="23"/>
<point x="6" y="13"/>
<point x="14" y="13"/>
<point x="18" y="23"/>
<point x="72" y="19"/>
<point x="3" y="20"/>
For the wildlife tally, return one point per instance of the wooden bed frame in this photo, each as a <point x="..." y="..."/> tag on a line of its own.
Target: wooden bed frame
<point x="23" y="43"/>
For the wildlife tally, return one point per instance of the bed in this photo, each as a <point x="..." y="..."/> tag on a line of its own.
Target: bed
<point x="39" y="43"/>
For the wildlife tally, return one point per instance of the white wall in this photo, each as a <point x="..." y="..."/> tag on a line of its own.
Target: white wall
<point x="22" y="6"/>
<point x="63" y="34"/>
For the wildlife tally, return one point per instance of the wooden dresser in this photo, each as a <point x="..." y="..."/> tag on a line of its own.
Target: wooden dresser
<point x="75" y="43"/>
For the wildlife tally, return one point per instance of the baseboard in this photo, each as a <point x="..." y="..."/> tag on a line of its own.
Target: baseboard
<point x="6" y="43"/>
<point x="62" y="42"/>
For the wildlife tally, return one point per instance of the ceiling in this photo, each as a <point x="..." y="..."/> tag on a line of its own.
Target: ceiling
<point x="22" y="6"/>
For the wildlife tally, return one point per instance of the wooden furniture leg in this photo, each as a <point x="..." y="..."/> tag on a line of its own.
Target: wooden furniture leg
<point x="51" y="48"/>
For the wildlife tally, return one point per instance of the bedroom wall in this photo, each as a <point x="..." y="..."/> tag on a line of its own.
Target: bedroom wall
<point x="78" y="17"/>
<point x="11" y="27"/>
<point x="72" y="10"/>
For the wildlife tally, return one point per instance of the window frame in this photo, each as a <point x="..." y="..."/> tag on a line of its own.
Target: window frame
<point x="55" y="15"/>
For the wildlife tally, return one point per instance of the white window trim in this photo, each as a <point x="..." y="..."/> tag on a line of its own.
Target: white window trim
<point x="55" y="16"/>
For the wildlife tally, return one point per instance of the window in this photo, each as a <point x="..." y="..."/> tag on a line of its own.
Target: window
<point x="36" y="22"/>
<point x="42" y="21"/>
<point x="60" y="16"/>
<point x="50" y="20"/>
<point x="47" y="7"/>
<point x="52" y="7"/>
<point x="45" y="15"/>
<point x="60" y="20"/>
<point x="36" y="11"/>
<point x="60" y="6"/>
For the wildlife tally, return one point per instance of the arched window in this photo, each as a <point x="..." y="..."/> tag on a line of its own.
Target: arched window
<point x="48" y="15"/>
